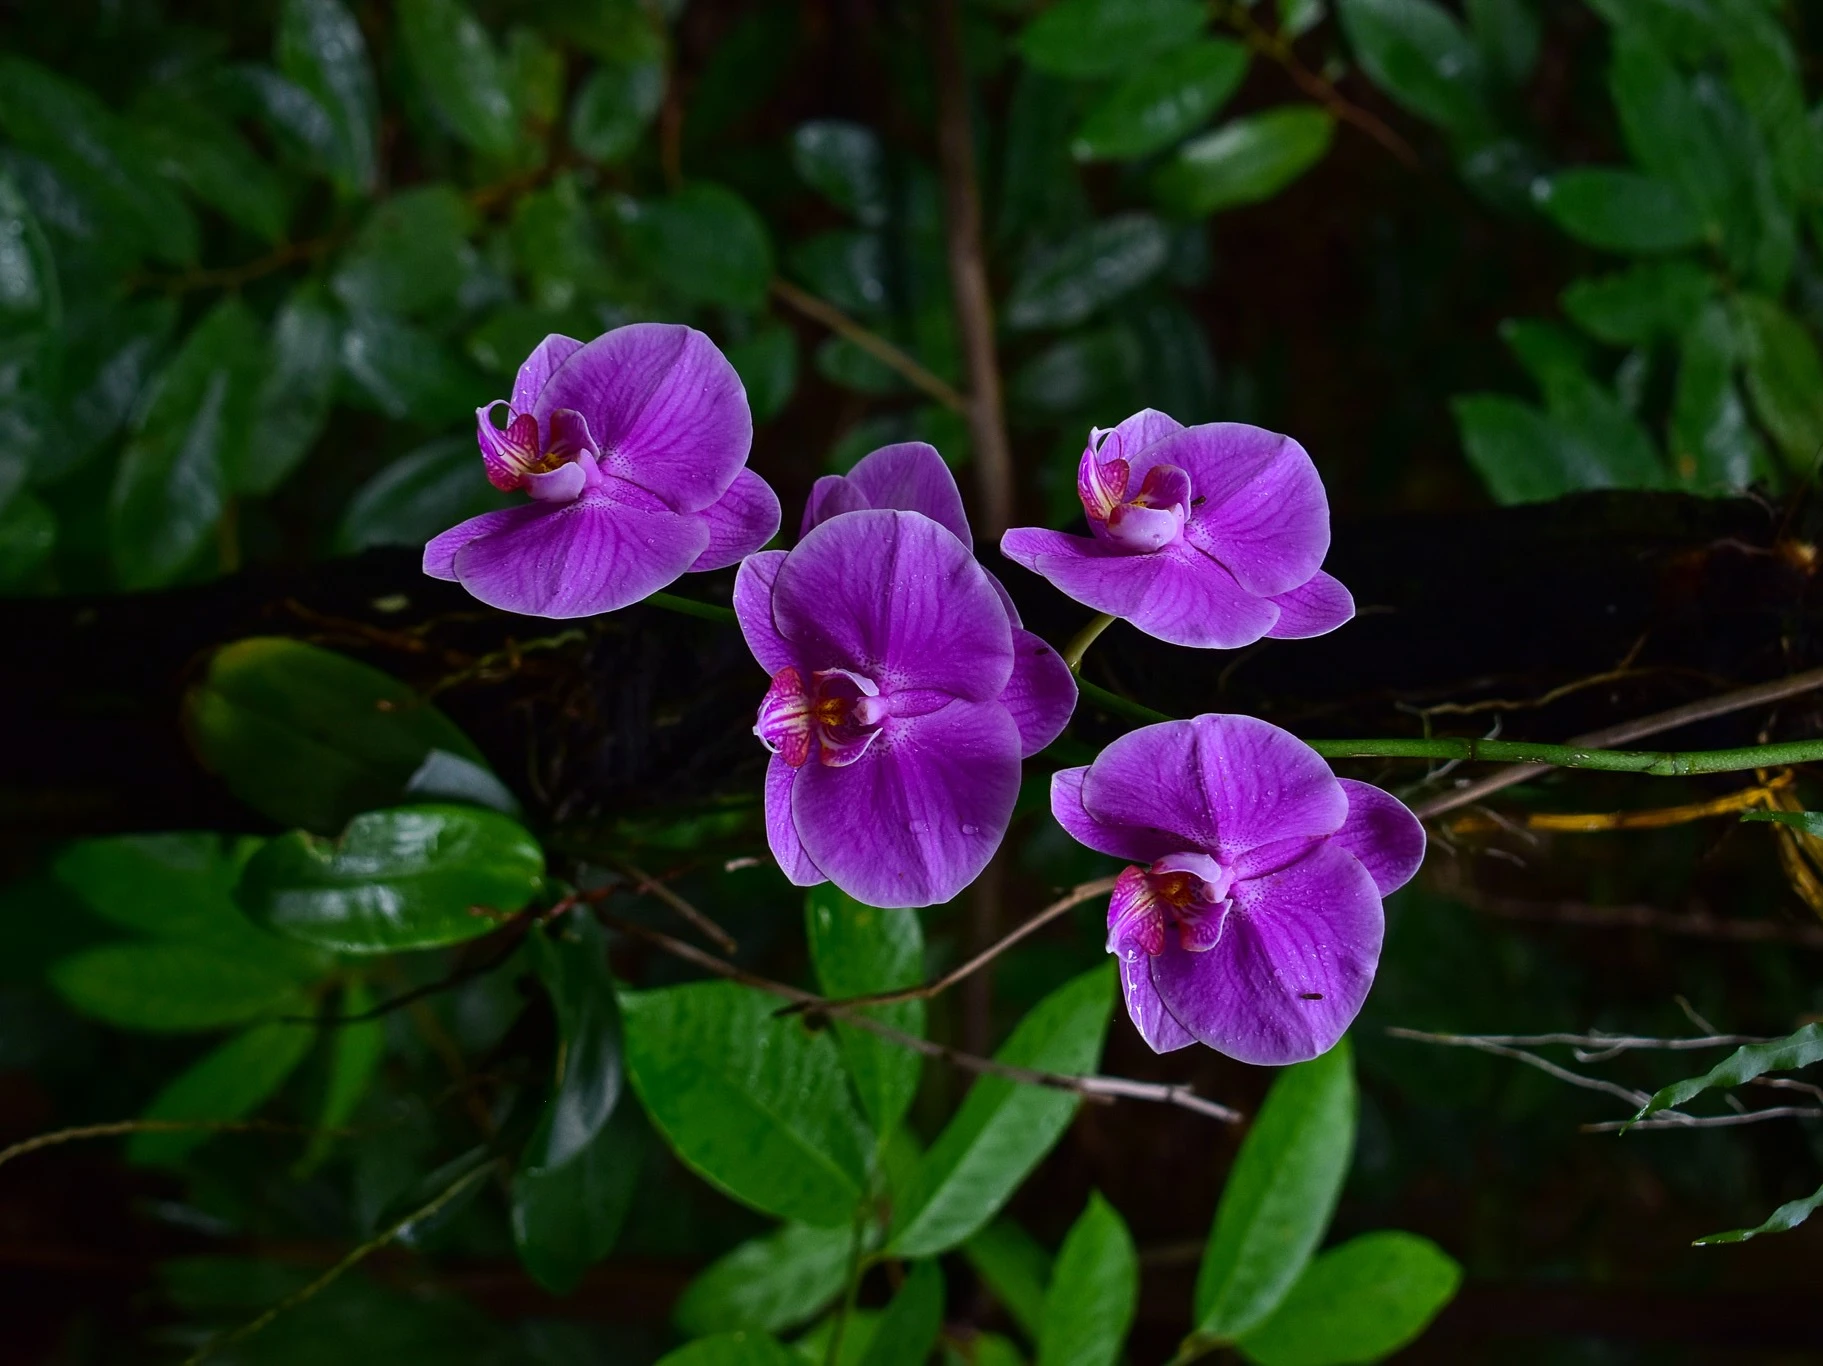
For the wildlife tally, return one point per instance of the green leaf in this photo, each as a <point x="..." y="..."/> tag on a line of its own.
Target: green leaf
<point x="1507" y="34"/>
<point x="232" y="1081"/>
<point x="28" y="531"/>
<point x="204" y="154"/>
<point x="860" y="949"/>
<point x="1280" y="1194"/>
<point x="1743" y="1065"/>
<point x="767" y="363"/>
<point x="407" y="373"/>
<point x="1361" y="1301"/>
<point x="355" y="1051"/>
<point x="844" y="163"/>
<point x="1621" y="210"/>
<point x="753" y="1102"/>
<point x="572" y="961"/>
<point x="410" y="256"/>
<point x="1298" y="17"/>
<point x="413" y="877"/>
<point x="460" y="72"/>
<point x="174" y="987"/>
<point x="1089" y="38"/>
<point x="1162" y="101"/>
<point x="858" y="1326"/>
<point x="732" y="1349"/>
<point x="850" y="269"/>
<point x="169" y="489"/>
<point x="106" y="373"/>
<point x="1810" y="822"/>
<point x="29" y="297"/>
<point x="614" y="108"/>
<point x="1524" y="455"/>
<point x="1093" y="1293"/>
<point x="423" y="492"/>
<point x="1782" y="1220"/>
<point x="768" y="1284"/>
<point x="1713" y="443"/>
<point x="177" y="886"/>
<point x="1004" y="1128"/>
<point x="566" y="1218"/>
<point x="704" y="244"/>
<point x="907" y="1331"/>
<point x="1784" y="378"/>
<point x="1418" y="54"/>
<point x="292" y="405"/>
<point x="1016" y="1267"/>
<point x="1244" y="161"/>
<point x="1109" y="258"/>
<point x="1646" y="303"/>
<point x="99" y="157"/>
<point x="321" y="49"/>
<point x="310" y="737"/>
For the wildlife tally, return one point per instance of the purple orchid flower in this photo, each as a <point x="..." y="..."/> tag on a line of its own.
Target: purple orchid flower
<point x="912" y="477"/>
<point x="1208" y="536"/>
<point x="634" y="451"/>
<point x="895" y="716"/>
<point x="1255" y="926"/>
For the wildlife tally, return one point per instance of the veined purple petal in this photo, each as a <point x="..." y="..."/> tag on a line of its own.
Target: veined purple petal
<point x="1314" y="608"/>
<point x="1040" y="695"/>
<point x="561" y="485"/>
<point x="1296" y="959"/>
<point x="1220" y="784"/>
<point x="544" y="361"/>
<point x="782" y="832"/>
<point x="1156" y="1025"/>
<point x="665" y="407"/>
<point x="1142" y="844"/>
<point x="440" y="552"/>
<point x="753" y="607"/>
<point x="1380" y="832"/>
<point x="895" y="596"/>
<point x="916" y="819"/>
<point x="1259" y="502"/>
<point x="569" y="436"/>
<point x="1177" y="594"/>
<point x="1136" y="917"/>
<point x="907" y="477"/>
<point x="506" y="452"/>
<point x="578" y="558"/>
<point x="741" y="521"/>
<point x="1126" y="439"/>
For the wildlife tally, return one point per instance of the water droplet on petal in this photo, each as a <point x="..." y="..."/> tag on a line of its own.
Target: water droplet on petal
<point x="968" y="829"/>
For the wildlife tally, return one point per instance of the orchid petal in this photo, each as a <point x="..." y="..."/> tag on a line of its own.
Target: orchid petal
<point x="544" y="361"/>
<point x="561" y="485"/>
<point x="917" y="818"/>
<point x="1314" y="608"/>
<point x="1040" y="695"/>
<point x="741" y="521"/>
<point x="440" y="552"/>
<point x="1295" y="962"/>
<point x="895" y="596"/>
<point x="782" y="832"/>
<point x="907" y="477"/>
<point x="578" y="558"/>
<point x="753" y="608"/>
<point x="1135" y="434"/>
<point x="1142" y="844"/>
<point x="665" y="407"/>
<point x="1382" y="833"/>
<point x="1156" y="1025"/>
<point x="830" y="496"/>
<point x="1220" y="784"/>
<point x="506" y="451"/>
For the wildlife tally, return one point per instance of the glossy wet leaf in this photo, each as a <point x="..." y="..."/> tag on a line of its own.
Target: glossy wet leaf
<point x="1280" y="1194"/>
<point x="703" y="243"/>
<point x="733" y="1349"/>
<point x="768" y="1284"/>
<point x="320" y="49"/>
<point x="169" y="489"/>
<point x="614" y="107"/>
<point x="460" y="71"/>
<point x="1799" y="1049"/>
<point x="29" y="296"/>
<point x="355" y="1052"/>
<point x="407" y="372"/>
<point x="1163" y="101"/>
<point x="1089" y="38"/>
<point x="228" y="1083"/>
<point x="570" y="956"/>
<point x="208" y="157"/>
<point x="568" y="1217"/>
<point x="1417" y="52"/>
<point x="412" y="877"/>
<point x="754" y="1103"/>
<point x="1712" y="438"/>
<point x="1621" y="210"/>
<point x="1784" y="378"/>
<point x="1094" y="1291"/>
<point x="1358" y="1302"/>
<point x="907" y="1330"/>
<point x="1016" y="1267"/>
<point x="410" y="255"/>
<point x="1646" y="303"/>
<point x="843" y="162"/>
<point x="1507" y="34"/>
<point x="1004" y="1128"/>
<point x="1782" y="1220"/>
<point x="291" y="407"/>
<point x="164" y="986"/>
<point x="310" y="737"/>
<point x="1094" y="267"/>
<point x="1245" y="160"/>
<point x="857" y="950"/>
<point x="425" y="491"/>
<point x="1524" y="455"/>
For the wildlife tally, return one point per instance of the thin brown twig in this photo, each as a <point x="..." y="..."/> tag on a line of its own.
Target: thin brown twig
<point x="822" y="311"/>
<point x="117" y="1128"/>
<point x="1078" y="894"/>
<point x="645" y="884"/>
<point x="1688" y="1122"/>
<point x="1099" y="1088"/>
<point x="1276" y="49"/>
<point x="973" y="296"/>
<point x="1625" y="732"/>
<point x="1486" y="1045"/>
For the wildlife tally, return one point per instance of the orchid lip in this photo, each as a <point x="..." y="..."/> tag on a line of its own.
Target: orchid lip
<point x="836" y="716"/>
<point x="1189" y="892"/>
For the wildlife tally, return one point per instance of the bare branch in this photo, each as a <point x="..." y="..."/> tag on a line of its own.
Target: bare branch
<point x="821" y="310"/>
<point x="645" y="884"/>
<point x="1683" y="1121"/>
<point x="1634" y="1098"/>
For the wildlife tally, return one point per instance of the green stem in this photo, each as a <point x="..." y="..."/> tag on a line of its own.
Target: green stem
<point x="1654" y="763"/>
<point x="689" y="607"/>
<point x="1083" y="639"/>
